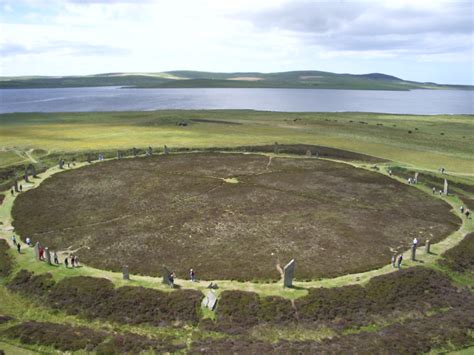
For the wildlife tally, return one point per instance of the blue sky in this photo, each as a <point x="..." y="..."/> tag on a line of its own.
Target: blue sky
<point x="412" y="39"/>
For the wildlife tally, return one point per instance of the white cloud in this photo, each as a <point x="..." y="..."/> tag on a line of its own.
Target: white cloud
<point x="91" y="36"/>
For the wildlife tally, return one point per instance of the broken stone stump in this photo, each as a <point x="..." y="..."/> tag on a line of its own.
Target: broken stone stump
<point x="288" y="273"/>
<point x="308" y="153"/>
<point x="445" y="187"/>
<point x="209" y="301"/>
<point x="126" y="275"/>
<point x="413" y="253"/>
<point x="47" y="254"/>
<point x="37" y="251"/>
<point x="427" y="246"/>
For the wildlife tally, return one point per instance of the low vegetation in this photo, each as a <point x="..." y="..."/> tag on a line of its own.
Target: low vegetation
<point x="6" y="261"/>
<point x="383" y="298"/>
<point x="461" y="257"/>
<point x="96" y="298"/>
<point x="181" y="216"/>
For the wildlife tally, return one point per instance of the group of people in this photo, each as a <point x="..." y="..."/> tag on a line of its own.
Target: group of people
<point x="411" y="180"/>
<point x="465" y="211"/>
<point x="72" y="259"/>
<point x="398" y="259"/>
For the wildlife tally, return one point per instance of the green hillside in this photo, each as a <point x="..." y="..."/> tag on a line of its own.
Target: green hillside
<point x="197" y="79"/>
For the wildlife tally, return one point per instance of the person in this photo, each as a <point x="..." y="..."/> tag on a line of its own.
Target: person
<point x="21" y="187"/>
<point x="434" y="190"/>
<point x="409" y="181"/>
<point x="468" y="213"/>
<point x="18" y="247"/>
<point x="399" y="261"/>
<point x="415" y="243"/>
<point x="28" y="241"/>
<point x="440" y="192"/>
<point x="390" y="172"/>
<point x="56" y="259"/>
<point x="13" y="192"/>
<point x="13" y="239"/>
<point x="72" y="260"/>
<point x="393" y="260"/>
<point x="171" y="278"/>
<point x="462" y="209"/>
<point x="66" y="262"/>
<point x="41" y="253"/>
<point x="192" y="275"/>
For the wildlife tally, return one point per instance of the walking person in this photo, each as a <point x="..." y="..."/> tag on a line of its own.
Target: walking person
<point x="56" y="259"/>
<point x="192" y="275"/>
<point x="461" y="209"/>
<point x="399" y="261"/>
<point x="14" y="239"/>
<point x="18" y="247"/>
<point x="468" y="214"/>
<point x="72" y="260"/>
<point x="13" y="192"/>
<point x="66" y="262"/>
<point x="394" y="257"/>
<point x="434" y="190"/>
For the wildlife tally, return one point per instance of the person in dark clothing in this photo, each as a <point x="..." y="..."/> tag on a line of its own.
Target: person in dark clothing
<point x="399" y="261"/>
<point x="18" y="247"/>
<point x="66" y="262"/>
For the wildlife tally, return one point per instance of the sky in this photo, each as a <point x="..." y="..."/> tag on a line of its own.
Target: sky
<point x="428" y="41"/>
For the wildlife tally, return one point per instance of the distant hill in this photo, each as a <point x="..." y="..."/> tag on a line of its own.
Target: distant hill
<point x="309" y="79"/>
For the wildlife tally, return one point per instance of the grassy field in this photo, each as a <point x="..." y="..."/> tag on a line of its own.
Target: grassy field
<point x="425" y="142"/>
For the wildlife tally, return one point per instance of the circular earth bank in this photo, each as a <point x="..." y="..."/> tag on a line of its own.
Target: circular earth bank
<point x="229" y="216"/>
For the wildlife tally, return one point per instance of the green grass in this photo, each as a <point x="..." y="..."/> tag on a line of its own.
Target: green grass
<point x="384" y="136"/>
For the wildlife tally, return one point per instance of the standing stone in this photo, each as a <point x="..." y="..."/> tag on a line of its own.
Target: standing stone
<point x="166" y="277"/>
<point x="149" y="152"/>
<point x="61" y="163"/>
<point x="48" y="255"/>
<point x="134" y="151"/>
<point x="167" y="151"/>
<point x="26" y="175"/>
<point x="288" y="273"/>
<point x="126" y="275"/>
<point x="276" y="148"/>
<point x="16" y="186"/>
<point x="446" y="187"/>
<point x="427" y="246"/>
<point x="413" y="252"/>
<point x="308" y="153"/>
<point x="416" y="178"/>
<point x="210" y="300"/>
<point x="119" y="154"/>
<point x="37" y="251"/>
<point x="89" y="159"/>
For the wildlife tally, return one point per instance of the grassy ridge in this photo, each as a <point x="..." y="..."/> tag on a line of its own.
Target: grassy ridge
<point x="194" y="79"/>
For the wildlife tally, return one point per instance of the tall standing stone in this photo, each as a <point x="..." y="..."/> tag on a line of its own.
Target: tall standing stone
<point x="416" y="178"/>
<point x="446" y="187"/>
<point x="16" y="185"/>
<point x="427" y="246"/>
<point x="126" y="275"/>
<point x="47" y="253"/>
<point x="37" y="251"/>
<point x="276" y="148"/>
<point x="413" y="252"/>
<point x="288" y="273"/>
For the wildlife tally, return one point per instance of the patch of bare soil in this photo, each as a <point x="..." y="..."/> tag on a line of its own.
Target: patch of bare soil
<point x="179" y="211"/>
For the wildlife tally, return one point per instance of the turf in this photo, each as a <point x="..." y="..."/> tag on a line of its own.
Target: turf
<point x="185" y="214"/>
<point x="434" y="141"/>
